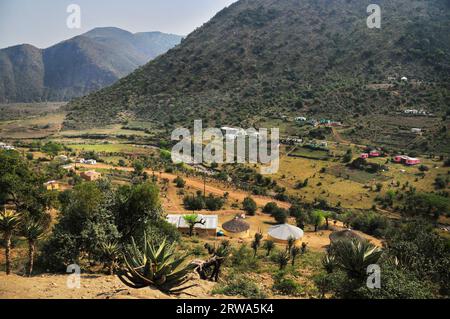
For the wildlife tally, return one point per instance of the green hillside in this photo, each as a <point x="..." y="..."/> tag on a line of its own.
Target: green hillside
<point x="264" y="57"/>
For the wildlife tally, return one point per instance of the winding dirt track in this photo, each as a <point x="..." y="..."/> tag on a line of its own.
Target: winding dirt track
<point x="197" y="184"/>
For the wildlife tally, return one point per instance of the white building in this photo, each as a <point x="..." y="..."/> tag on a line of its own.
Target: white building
<point x="90" y="162"/>
<point x="208" y="226"/>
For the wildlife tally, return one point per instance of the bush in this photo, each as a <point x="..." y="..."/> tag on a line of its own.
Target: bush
<point x="179" y="182"/>
<point x="242" y="259"/>
<point x="285" y="286"/>
<point x="249" y="205"/>
<point x="270" y="208"/>
<point x="58" y="252"/>
<point x="440" y="183"/>
<point x="239" y="285"/>
<point x="280" y="215"/>
<point x="194" y="202"/>
<point x="370" y="223"/>
<point x="214" y="203"/>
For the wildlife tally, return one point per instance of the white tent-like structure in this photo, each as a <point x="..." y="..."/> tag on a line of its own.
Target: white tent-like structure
<point x="281" y="233"/>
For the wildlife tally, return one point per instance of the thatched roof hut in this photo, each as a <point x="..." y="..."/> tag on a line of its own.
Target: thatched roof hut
<point x="282" y="233"/>
<point x="236" y="227"/>
<point x="346" y="234"/>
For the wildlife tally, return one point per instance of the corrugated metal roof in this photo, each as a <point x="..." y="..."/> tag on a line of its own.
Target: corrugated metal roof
<point x="285" y="231"/>
<point x="211" y="221"/>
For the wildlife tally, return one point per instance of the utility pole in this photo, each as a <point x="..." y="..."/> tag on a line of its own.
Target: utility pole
<point x="204" y="185"/>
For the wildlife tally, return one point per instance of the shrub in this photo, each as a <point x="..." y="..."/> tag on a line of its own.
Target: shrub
<point x="285" y="286"/>
<point x="249" y="205"/>
<point x="280" y="215"/>
<point x="193" y="202"/>
<point x="239" y="285"/>
<point x="214" y="203"/>
<point x="270" y="208"/>
<point x="179" y="182"/>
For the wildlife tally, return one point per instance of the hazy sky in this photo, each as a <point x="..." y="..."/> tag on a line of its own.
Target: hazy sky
<point x="43" y="22"/>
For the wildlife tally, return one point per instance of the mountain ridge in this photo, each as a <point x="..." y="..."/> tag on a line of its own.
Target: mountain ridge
<point x="261" y="57"/>
<point x="76" y="66"/>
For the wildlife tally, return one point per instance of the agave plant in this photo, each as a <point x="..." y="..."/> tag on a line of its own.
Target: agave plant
<point x="354" y="256"/>
<point x="156" y="266"/>
<point x="9" y="224"/>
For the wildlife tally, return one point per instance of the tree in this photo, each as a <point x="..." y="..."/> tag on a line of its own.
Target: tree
<point x="327" y="216"/>
<point x="269" y="245"/>
<point x="138" y="167"/>
<point x="282" y="258"/>
<point x="213" y="203"/>
<point x="379" y="187"/>
<point x="290" y="243"/>
<point x="21" y="185"/>
<point x="9" y="225"/>
<point x="52" y="149"/>
<point x="317" y="219"/>
<point x="348" y="156"/>
<point x="440" y="183"/>
<point x="192" y="220"/>
<point x="211" y="268"/>
<point x="33" y="231"/>
<point x="194" y="202"/>
<point x="249" y="205"/>
<point x="269" y="208"/>
<point x="256" y="243"/>
<point x="300" y="216"/>
<point x="135" y="207"/>
<point x="280" y="215"/>
<point x="86" y="220"/>
<point x="295" y="251"/>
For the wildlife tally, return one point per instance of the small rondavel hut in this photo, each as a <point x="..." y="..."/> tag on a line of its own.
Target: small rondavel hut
<point x="236" y="228"/>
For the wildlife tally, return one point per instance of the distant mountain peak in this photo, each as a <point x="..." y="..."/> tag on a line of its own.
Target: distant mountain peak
<point x="76" y="66"/>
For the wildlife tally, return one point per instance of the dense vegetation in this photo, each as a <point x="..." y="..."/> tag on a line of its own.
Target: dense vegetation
<point x="121" y="230"/>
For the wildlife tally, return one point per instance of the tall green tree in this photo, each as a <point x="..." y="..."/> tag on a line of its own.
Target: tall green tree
<point x="317" y="219"/>
<point x="192" y="220"/>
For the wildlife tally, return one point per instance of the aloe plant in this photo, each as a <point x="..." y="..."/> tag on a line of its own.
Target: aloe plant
<point x="9" y="224"/>
<point x="282" y="258"/>
<point x="354" y="256"/>
<point x="110" y="255"/>
<point x="156" y="266"/>
<point x="32" y="231"/>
